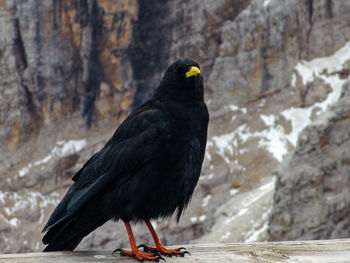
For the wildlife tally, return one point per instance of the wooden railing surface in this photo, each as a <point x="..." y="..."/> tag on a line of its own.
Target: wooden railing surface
<point x="320" y="251"/>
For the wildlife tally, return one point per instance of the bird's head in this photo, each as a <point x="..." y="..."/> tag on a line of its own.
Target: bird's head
<point x="182" y="81"/>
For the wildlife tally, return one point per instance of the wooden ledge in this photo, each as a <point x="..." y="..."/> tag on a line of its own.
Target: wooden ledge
<point x="320" y="251"/>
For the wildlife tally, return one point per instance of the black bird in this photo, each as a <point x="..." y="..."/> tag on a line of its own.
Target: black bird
<point x="148" y="169"/>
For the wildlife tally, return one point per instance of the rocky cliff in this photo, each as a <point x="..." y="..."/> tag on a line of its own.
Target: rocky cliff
<point x="70" y="71"/>
<point x="312" y="198"/>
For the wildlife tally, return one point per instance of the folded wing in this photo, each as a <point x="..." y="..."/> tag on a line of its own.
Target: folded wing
<point x="133" y="145"/>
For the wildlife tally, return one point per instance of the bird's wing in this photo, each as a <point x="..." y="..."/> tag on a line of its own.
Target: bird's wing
<point x="133" y="144"/>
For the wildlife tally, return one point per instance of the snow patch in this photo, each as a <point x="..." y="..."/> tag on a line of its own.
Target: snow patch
<point x="274" y="137"/>
<point x="269" y="120"/>
<point x="232" y="107"/>
<point x="274" y="142"/>
<point x="270" y="138"/>
<point x="258" y="229"/>
<point x="202" y="218"/>
<point x="324" y="68"/>
<point x="193" y="219"/>
<point x="227" y="144"/>
<point x="299" y="118"/>
<point x="243" y="211"/>
<point x="206" y="200"/>
<point x="233" y="191"/>
<point x="244" y="217"/>
<point x="222" y="143"/>
<point x="309" y="70"/>
<point x="25" y="201"/>
<point x="2" y="197"/>
<point x="294" y="80"/>
<point x="65" y="148"/>
<point x="61" y="149"/>
<point x="206" y="177"/>
<point x="14" y="222"/>
<point x="266" y="3"/>
<point x="24" y="170"/>
<point x="208" y="156"/>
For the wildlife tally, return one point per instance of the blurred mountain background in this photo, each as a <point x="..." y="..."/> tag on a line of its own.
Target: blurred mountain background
<point x="277" y="165"/>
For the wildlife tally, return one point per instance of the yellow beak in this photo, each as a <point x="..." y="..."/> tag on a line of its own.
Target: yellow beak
<point x="192" y="72"/>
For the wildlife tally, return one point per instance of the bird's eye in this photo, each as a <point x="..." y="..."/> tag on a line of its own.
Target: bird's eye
<point x="182" y="71"/>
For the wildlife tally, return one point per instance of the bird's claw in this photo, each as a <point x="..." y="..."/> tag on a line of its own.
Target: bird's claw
<point x="139" y="255"/>
<point x="118" y="250"/>
<point x="164" y="251"/>
<point x="185" y="252"/>
<point x="181" y="253"/>
<point x="160" y="257"/>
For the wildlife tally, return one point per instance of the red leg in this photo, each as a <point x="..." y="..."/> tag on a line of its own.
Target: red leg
<point x="135" y="252"/>
<point x="160" y="247"/>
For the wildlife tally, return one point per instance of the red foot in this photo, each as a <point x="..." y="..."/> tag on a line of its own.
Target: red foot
<point x="165" y="251"/>
<point x="141" y="256"/>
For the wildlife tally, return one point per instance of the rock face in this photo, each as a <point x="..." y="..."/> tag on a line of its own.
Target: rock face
<point x="312" y="198"/>
<point x="70" y="71"/>
<point x="244" y="218"/>
<point x="63" y="57"/>
<point x="62" y="76"/>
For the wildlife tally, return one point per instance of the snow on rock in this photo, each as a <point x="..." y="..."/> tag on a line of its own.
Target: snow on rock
<point x="309" y="70"/>
<point x="23" y="212"/>
<point x="227" y="145"/>
<point x="259" y="228"/>
<point x="273" y="137"/>
<point x="266" y="3"/>
<point x="233" y="191"/>
<point x="14" y="205"/>
<point x="193" y="219"/>
<point x="24" y="170"/>
<point x="244" y="218"/>
<point x="197" y="219"/>
<point x="61" y="149"/>
<point x="202" y="218"/>
<point x="206" y="200"/>
<point x="324" y="68"/>
<point x="206" y="177"/>
<point x="270" y="138"/>
<point x="232" y="107"/>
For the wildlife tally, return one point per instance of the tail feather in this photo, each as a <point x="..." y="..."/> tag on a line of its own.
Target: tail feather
<point x="55" y="231"/>
<point x="60" y="213"/>
<point x="63" y="245"/>
<point x="66" y="235"/>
